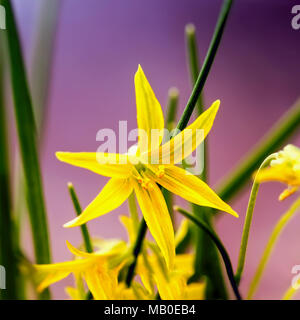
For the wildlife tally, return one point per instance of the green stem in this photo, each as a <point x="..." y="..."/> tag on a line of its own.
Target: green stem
<point x="270" y="246"/>
<point x="206" y="65"/>
<point x="84" y="230"/>
<point x="136" y="251"/>
<point x="193" y="60"/>
<point x="203" y="225"/>
<point x="27" y="140"/>
<point x="248" y="220"/>
<point x="8" y="258"/>
<point x="173" y="97"/>
<point x="271" y="142"/>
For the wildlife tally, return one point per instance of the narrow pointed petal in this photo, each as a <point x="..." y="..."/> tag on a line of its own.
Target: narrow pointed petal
<point x="106" y="164"/>
<point x="181" y="231"/>
<point x="149" y="112"/>
<point x="192" y="189"/>
<point x="102" y="282"/>
<point x="114" y="193"/>
<point x="51" y="278"/>
<point x="68" y="266"/>
<point x="47" y="274"/>
<point x="184" y="143"/>
<point x="96" y="287"/>
<point x="128" y="224"/>
<point x="79" y="253"/>
<point x="157" y="217"/>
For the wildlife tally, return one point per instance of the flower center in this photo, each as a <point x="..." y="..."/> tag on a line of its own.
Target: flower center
<point x="139" y="173"/>
<point x="143" y="174"/>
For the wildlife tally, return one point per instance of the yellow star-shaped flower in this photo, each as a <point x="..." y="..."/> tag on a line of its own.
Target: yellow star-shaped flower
<point x="134" y="172"/>
<point x="285" y="168"/>
<point x="101" y="278"/>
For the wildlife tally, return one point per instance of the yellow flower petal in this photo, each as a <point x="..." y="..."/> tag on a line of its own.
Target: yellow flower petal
<point x="172" y="289"/>
<point x="128" y="224"/>
<point x="278" y="173"/>
<point x="158" y="219"/>
<point x="114" y="193"/>
<point x="77" y="252"/>
<point x="184" y="143"/>
<point x="106" y="164"/>
<point x="47" y="274"/>
<point x="51" y="278"/>
<point x="74" y="293"/>
<point x="192" y="189"/>
<point x="108" y="248"/>
<point x="96" y="286"/>
<point x="101" y="282"/>
<point x="68" y="266"/>
<point x="149" y="112"/>
<point x="195" y="291"/>
<point x="184" y="264"/>
<point x="181" y="231"/>
<point x="144" y="270"/>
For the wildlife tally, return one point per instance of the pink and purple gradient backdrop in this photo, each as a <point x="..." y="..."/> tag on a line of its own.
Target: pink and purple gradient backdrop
<point x="98" y="47"/>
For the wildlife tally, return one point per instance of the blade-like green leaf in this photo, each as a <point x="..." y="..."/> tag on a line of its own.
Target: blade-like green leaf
<point x="7" y="248"/>
<point x="27" y="139"/>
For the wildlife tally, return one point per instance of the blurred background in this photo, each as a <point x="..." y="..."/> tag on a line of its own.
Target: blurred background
<point x="97" y="48"/>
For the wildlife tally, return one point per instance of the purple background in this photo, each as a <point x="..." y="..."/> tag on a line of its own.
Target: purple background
<point x="99" y="45"/>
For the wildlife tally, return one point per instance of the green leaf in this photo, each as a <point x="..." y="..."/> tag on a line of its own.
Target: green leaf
<point x="8" y="257"/>
<point x="27" y="140"/>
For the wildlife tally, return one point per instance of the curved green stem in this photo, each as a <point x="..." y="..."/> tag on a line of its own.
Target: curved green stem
<point x="202" y="224"/>
<point x="270" y="246"/>
<point x="84" y="230"/>
<point x="248" y="220"/>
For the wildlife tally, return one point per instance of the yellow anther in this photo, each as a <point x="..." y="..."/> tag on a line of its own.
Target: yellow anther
<point x="146" y="183"/>
<point x="161" y="171"/>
